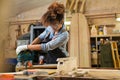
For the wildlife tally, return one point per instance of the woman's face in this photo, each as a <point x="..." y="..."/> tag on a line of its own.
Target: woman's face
<point x="56" y="27"/>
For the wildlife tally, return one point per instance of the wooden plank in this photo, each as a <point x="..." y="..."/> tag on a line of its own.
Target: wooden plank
<point x="96" y="74"/>
<point x="46" y="66"/>
<point x="109" y="74"/>
<point x="74" y="37"/>
<point x="19" y="75"/>
<point x="102" y="74"/>
<point x="84" y="39"/>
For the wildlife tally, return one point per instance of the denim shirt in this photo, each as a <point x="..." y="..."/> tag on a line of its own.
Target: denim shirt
<point x="56" y="41"/>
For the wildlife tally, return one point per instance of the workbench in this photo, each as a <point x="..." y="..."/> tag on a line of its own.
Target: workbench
<point x="93" y="74"/>
<point x="55" y="78"/>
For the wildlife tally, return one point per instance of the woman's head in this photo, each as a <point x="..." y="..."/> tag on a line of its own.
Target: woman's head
<point x="54" y="14"/>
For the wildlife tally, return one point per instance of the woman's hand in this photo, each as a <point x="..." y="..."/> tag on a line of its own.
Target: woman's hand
<point x="21" y="48"/>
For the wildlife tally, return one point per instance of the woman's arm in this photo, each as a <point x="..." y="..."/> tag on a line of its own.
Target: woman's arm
<point x="28" y="47"/>
<point x="35" y="41"/>
<point x="54" y="43"/>
<point x="40" y="37"/>
<point x="34" y="47"/>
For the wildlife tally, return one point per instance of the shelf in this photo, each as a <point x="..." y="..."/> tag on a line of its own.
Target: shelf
<point x="111" y="35"/>
<point x="107" y="25"/>
<point x="95" y="50"/>
<point x="95" y="40"/>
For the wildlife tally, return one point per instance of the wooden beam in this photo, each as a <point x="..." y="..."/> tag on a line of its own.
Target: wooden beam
<point x="99" y="14"/>
<point x="76" y="6"/>
<point x="82" y="6"/>
<point x="23" y="22"/>
<point x="72" y="5"/>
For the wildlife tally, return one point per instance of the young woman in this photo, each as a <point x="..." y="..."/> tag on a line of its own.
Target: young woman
<point x="55" y="37"/>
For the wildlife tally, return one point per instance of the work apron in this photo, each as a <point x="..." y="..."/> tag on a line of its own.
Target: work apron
<point x="52" y="55"/>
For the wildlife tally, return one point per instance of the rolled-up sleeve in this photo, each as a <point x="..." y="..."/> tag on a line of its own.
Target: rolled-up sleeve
<point x="45" y="32"/>
<point x="60" y="40"/>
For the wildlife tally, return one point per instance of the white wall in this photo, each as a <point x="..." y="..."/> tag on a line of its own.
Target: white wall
<point x="102" y="6"/>
<point x="34" y="14"/>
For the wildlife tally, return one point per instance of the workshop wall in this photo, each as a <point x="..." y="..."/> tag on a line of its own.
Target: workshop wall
<point x="102" y="6"/>
<point x="4" y="13"/>
<point x="109" y="7"/>
<point x="34" y="14"/>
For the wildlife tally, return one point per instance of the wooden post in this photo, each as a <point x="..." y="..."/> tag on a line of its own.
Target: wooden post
<point x="84" y="41"/>
<point x="74" y="37"/>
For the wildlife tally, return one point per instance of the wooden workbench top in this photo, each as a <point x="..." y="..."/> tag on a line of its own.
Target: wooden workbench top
<point x="93" y="74"/>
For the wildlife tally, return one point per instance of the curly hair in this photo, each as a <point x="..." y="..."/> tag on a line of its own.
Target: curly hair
<point x="54" y="14"/>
